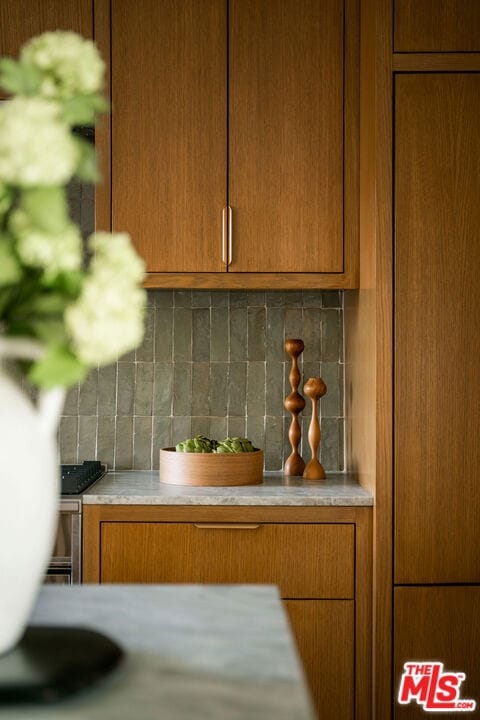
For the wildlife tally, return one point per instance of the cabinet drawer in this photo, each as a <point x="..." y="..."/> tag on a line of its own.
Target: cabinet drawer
<point x="304" y="560"/>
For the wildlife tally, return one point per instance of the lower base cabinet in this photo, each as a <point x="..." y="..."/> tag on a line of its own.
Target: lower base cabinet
<point x="318" y="557"/>
<point x="324" y="631"/>
<point x="438" y="624"/>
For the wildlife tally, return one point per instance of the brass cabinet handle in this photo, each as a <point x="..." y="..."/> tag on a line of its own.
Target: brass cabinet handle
<point x="226" y="526"/>
<point x="230" y="236"/>
<point x="224" y="236"/>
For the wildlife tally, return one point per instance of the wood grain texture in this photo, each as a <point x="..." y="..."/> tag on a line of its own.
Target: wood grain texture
<point x="436" y="62"/>
<point x="368" y="333"/>
<point x="314" y="388"/>
<point x="20" y="21"/>
<point x="438" y="623"/>
<point x="228" y="513"/>
<point x="169" y="130"/>
<point x="294" y="403"/>
<point x="437" y="365"/>
<point x="324" y="632"/>
<point x="381" y="115"/>
<point x="142" y="552"/>
<point x="103" y="128"/>
<point x="286" y="135"/>
<point x="253" y="281"/>
<point x="363" y="618"/>
<point x="94" y="515"/>
<point x="437" y="26"/>
<point x="210" y="469"/>
<point x="313" y="656"/>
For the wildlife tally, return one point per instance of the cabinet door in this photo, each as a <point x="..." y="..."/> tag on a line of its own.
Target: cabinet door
<point x="324" y="632"/>
<point x="438" y="624"/>
<point x="169" y="130"/>
<point x="286" y="86"/>
<point x="437" y="25"/>
<point x="21" y="21"/>
<point x="437" y="328"/>
<point x="304" y="560"/>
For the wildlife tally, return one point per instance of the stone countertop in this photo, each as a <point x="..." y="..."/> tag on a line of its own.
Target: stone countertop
<point x="145" y="488"/>
<point x="193" y="652"/>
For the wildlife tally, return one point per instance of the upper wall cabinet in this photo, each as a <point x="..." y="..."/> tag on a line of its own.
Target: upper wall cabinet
<point x="437" y="26"/>
<point x="21" y="21"/>
<point x="235" y="140"/>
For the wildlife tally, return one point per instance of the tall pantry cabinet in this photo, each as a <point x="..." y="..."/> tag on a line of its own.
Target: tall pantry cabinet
<point x="437" y="374"/>
<point x="412" y="337"/>
<point x="412" y="333"/>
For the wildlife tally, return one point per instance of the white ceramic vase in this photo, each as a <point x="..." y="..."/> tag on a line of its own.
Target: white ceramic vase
<point x="29" y="491"/>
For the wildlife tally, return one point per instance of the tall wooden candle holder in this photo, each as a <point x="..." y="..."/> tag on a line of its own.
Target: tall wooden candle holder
<point x="314" y="388"/>
<point x="294" y="403"/>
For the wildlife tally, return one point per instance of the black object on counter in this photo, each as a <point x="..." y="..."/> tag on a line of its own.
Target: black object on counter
<point x="50" y="663"/>
<point x="77" y="478"/>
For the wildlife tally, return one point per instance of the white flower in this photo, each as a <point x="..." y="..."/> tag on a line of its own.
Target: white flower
<point x="114" y="253"/>
<point x="49" y="252"/>
<point x="69" y="63"/>
<point x="107" y="319"/>
<point x="36" y="147"/>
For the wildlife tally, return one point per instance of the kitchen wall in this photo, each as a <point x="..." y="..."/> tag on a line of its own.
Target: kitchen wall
<point x="211" y="362"/>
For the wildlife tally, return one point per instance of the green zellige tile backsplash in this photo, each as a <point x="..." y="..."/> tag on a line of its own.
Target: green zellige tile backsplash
<point x="212" y="362"/>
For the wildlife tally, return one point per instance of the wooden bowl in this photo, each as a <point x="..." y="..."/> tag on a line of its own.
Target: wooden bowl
<point x="178" y="468"/>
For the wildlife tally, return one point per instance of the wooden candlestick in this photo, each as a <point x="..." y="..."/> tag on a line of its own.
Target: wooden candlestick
<point x="294" y="403"/>
<point x="314" y="388"/>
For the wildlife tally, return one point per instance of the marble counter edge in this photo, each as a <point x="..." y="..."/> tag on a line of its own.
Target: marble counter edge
<point x="144" y="488"/>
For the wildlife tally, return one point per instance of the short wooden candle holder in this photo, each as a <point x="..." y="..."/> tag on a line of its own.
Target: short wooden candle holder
<point x="314" y="388"/>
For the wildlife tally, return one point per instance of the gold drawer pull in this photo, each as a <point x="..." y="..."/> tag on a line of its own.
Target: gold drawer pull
<point x="224" y="236"/>
<point x="226" y="526"/>
<point x="230" y="236"/>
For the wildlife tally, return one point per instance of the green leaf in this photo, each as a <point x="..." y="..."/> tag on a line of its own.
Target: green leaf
<point x="46" y="207"/>
<point x="68" y="283"/>
<point x="81" y="109"/>
<point x="7" y="196"/>
<point x="19" y="78"/>
<point x="5" y="298"/>
<point x="58" y="367"/>
<point x="10" y="267"/>
<point x="45" y="304"/>
<point x="87" y="165"/>
<point x="49" y="329"/>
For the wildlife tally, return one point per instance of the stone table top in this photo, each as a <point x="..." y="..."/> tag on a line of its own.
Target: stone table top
<point x="145" y="488"/>
<point x="193" y="652"/>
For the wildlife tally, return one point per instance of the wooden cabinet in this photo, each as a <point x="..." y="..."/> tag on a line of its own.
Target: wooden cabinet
<point x="436" y="376"/>
<point x="285" y="169"/>
<point x="232" y="552"/>
<point x="325" y="633"/>
<point x="19" y="21"/>
<point x="437" y="328"/>
<point x="438" y="624"/>
<point x="318" y="557"/>
<point x="437" y="26"/>
<point x="169" y="124"/>
<point x="19" y="24"/>
<point x="251" y="104"/>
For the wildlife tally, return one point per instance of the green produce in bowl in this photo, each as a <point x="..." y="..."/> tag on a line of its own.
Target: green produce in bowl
<point x="203" y="444"/>
<point x="198" y="444"/>
<point x="235" y="445"/>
